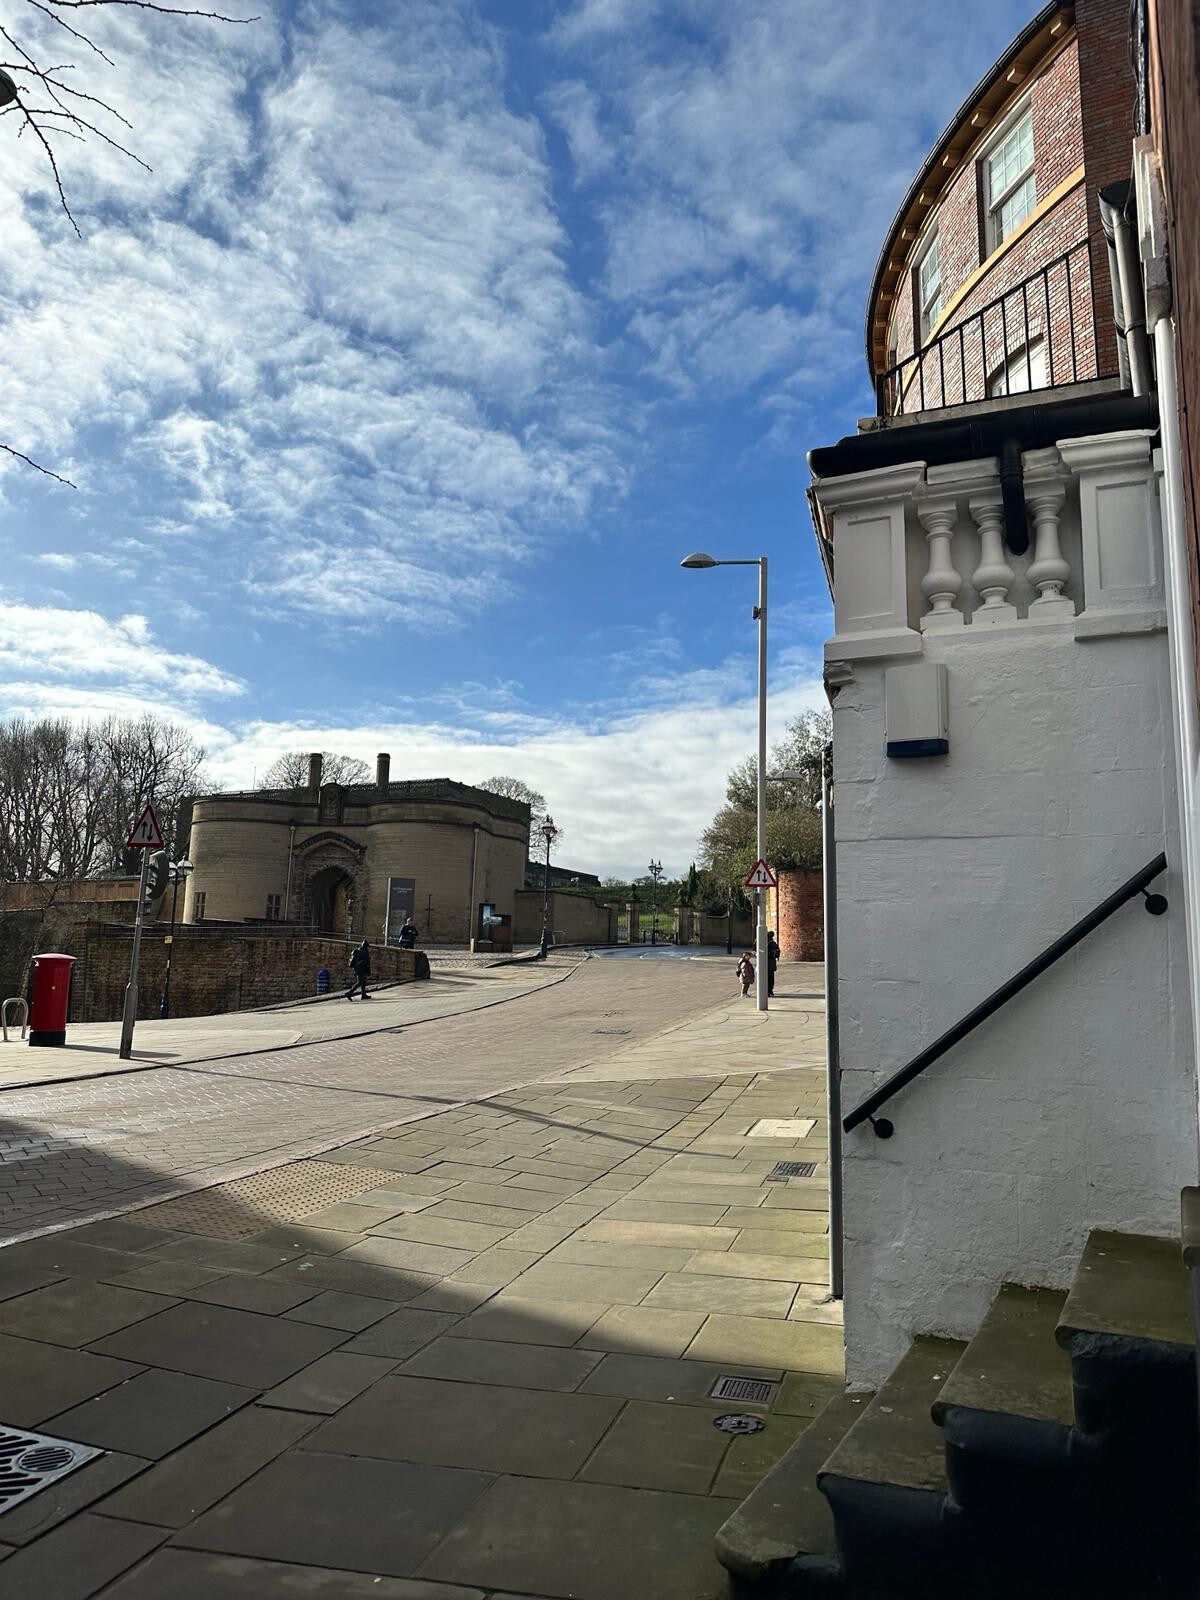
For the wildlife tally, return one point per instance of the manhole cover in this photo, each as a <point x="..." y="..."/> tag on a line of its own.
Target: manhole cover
<point x="791" y="1169"/>
<point x="30" y="1462"/>
<point x="751" y="1391"/>
<point x="735" y="1422"/>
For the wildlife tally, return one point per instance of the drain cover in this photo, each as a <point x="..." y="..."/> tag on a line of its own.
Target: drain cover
<point x="622" y="1031"/>
<point x="751" y="1391"/>
<point x="791" y="1169"/>
<point x="733" y="1423"/>
<point x="33" y="1461"/>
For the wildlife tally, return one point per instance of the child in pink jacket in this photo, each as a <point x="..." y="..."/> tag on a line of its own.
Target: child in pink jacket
<point x="745" y="972"/>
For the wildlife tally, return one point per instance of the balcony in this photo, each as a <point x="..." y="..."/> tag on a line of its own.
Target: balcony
<point x="1040" y="334"/>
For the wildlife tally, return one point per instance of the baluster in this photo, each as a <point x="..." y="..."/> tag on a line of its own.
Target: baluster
<point x="941" y="583"/>
<point x="993" y="577"/>
<point x="1045" y="492"/>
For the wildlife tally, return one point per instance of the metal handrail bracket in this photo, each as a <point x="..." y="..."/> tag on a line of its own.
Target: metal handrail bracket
<point x="1156" y="904"/>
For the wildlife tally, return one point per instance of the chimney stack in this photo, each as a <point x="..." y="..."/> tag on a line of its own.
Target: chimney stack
<point x="314" y="770"/>
<point x="383" y="766"/>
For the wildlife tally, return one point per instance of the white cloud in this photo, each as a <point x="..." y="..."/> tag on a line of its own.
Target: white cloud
<point x="70" y="653"/>
<point x="336" y="316"/>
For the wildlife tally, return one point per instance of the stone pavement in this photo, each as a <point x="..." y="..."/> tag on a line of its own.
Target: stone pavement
<point x="470" y="1356"/>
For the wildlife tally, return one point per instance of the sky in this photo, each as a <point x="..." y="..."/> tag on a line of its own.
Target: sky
<point x="437" y="333"/>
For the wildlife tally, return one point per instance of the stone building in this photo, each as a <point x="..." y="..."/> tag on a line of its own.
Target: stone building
<point x="355" y="860"/>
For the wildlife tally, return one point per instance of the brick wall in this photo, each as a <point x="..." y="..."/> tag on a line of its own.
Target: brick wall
<point x="1082" y="114"/>
<point x="801" y="931"/>
<point x="218" y="972"/>
<point x="573" y="918"/>
<point x="62" y="926"/>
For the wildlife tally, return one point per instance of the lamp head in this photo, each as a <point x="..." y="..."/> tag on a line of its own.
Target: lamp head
<point x="699" y="559"/>
<point x="8" y="89"/>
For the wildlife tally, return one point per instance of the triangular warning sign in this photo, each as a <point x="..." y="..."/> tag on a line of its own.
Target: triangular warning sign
<point x="145" y="833"/>
<point x="760" y="876"/>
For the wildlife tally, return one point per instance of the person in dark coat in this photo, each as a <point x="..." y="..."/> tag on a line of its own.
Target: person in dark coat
<point x="772" y="960"/>
<point x="360" y="962"/>
<point x="408" y="935"/>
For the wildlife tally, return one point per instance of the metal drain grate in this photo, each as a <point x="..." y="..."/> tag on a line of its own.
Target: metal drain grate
<point x="622" y="1031"/>
<point x="30" y="1462"/>
<point x="791" y="1169"/>
<point x="751" y="1391"/>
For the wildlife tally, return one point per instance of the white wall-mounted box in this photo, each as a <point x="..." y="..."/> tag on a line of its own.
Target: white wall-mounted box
<point x="916" y="710"/>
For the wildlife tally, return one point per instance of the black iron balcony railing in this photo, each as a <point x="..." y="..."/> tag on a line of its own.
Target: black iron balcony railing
<point x="1040" y="334"/>
<point x="1156" y="904"/>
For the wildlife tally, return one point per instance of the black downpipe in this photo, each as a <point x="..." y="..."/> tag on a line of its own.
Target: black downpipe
<point x="1012" y="490"/>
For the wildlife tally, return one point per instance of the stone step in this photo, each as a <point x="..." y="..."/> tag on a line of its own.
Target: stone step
<point x="1007" y="1409"/>
<point x="786" y="1515"/>
<point x="886" y="1481"/>
<point x="1127" y="1325"/>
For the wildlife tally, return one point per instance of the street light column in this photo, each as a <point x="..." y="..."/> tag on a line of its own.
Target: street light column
<point x="549" y="831"/>
<point x="761" y="973"/>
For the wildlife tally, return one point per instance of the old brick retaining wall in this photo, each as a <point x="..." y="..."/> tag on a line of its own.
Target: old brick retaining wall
<point x="801" y="931"/>
<point x="573" y="918"/>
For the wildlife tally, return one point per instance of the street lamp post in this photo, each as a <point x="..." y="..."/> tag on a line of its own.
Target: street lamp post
<point x="699" y="561"/>
<point x="549" y="833"/>
<point x="179" y="874"/>
<point x="655" y="870"/>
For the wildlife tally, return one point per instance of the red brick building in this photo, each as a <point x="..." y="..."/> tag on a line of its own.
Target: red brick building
<point x="993" y="279"/>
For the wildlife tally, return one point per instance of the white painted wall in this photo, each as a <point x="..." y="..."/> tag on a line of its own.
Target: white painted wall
<point x="1075" y="1106"/>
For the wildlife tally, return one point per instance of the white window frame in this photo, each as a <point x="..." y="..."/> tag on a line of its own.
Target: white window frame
<point x="1015" y="373"/>
<point x="198" y="906"/>
<point x="993" y="202"/>
<point x="929" y="307"/>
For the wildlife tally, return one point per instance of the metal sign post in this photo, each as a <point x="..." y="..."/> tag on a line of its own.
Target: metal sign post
<point x="145" y="835"/>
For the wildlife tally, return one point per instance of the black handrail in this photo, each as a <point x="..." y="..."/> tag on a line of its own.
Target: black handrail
<point x="1155" y="903"/>
<point x="1054" y="289"/>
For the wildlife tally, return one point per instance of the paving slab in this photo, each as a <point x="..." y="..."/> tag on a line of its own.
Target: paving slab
<point x="509" y="1316"/>
<point x="794" y="1266"/>
<point x="580" y="1252"/>
<point x="519" y="1366"/>
<point x="217" y="1342"/>
<point x="351" y="1312"/>
<point x="656" y="1446"/>
<point x="74" y="1312"/>
<point x="327" y="1385"/>
<point x="290" y="1239"/>
<point x="150" y="1415"/>
<point x="803" y="1394"/>
<point x="459" y="1298"/>
<point x="401" y="1333"/>
<point x="532" y="1202"/>
<point x="494" y="1429"/>
<point x="350" y="1512"/>
<point x="563" y="1281"/>
<point x="490" y="1216"/>
<point x="587" y="1540"/>
<point x="76" y="1560"/>
<point x="202" y="1575"/>
<point x="230" y="1255"/>
<point x="643" y="1330"/>
<point x="675" y="1235"/>
<point x="267" y="1295"/>
<point x="747" y="1297"/>
<point x="352" y="1216"/>
<point x="166" y="1277"/>
<point x="432" y="1259"/>
<point x="190" y="1480"/>
<point x="438" y="1229"/>
<point x="355" y="1277"/>
<point x="41" y="1380"/>
<point x="800" y="1346"/>
<point x="751" y="1457"/>
<point x="496" y="1269"/>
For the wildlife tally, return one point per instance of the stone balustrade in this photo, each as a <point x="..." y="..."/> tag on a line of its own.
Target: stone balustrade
<point x="921" y="550"/>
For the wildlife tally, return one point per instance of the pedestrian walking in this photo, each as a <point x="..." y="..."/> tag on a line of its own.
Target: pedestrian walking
<point x="772" y="959"/>
<point x="360" y="964"/>
<point x="745" y="972"/>
<point x="408" y="935"/>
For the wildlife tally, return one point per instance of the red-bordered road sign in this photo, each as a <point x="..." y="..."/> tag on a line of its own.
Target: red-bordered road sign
<point x="145" y="833"/>
<point x="760" y="876"/>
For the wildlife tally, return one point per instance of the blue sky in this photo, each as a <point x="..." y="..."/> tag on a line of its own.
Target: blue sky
<point x="438" y="333"/>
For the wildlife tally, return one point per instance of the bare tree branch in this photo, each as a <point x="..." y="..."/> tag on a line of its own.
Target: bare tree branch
<point x="37" y="467"/>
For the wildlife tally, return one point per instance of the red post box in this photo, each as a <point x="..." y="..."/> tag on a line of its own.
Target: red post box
<point x="51" y="993"/>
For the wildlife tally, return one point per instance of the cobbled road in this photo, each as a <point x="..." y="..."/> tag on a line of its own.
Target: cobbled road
<point x="75" y="1151"/>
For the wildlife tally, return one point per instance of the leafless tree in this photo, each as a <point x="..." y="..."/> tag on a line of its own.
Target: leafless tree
<point x="517" y="789"/>
<point x="69" y="792"/>
<point x="290" y="770"/>
<point x="45" y="98"/>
